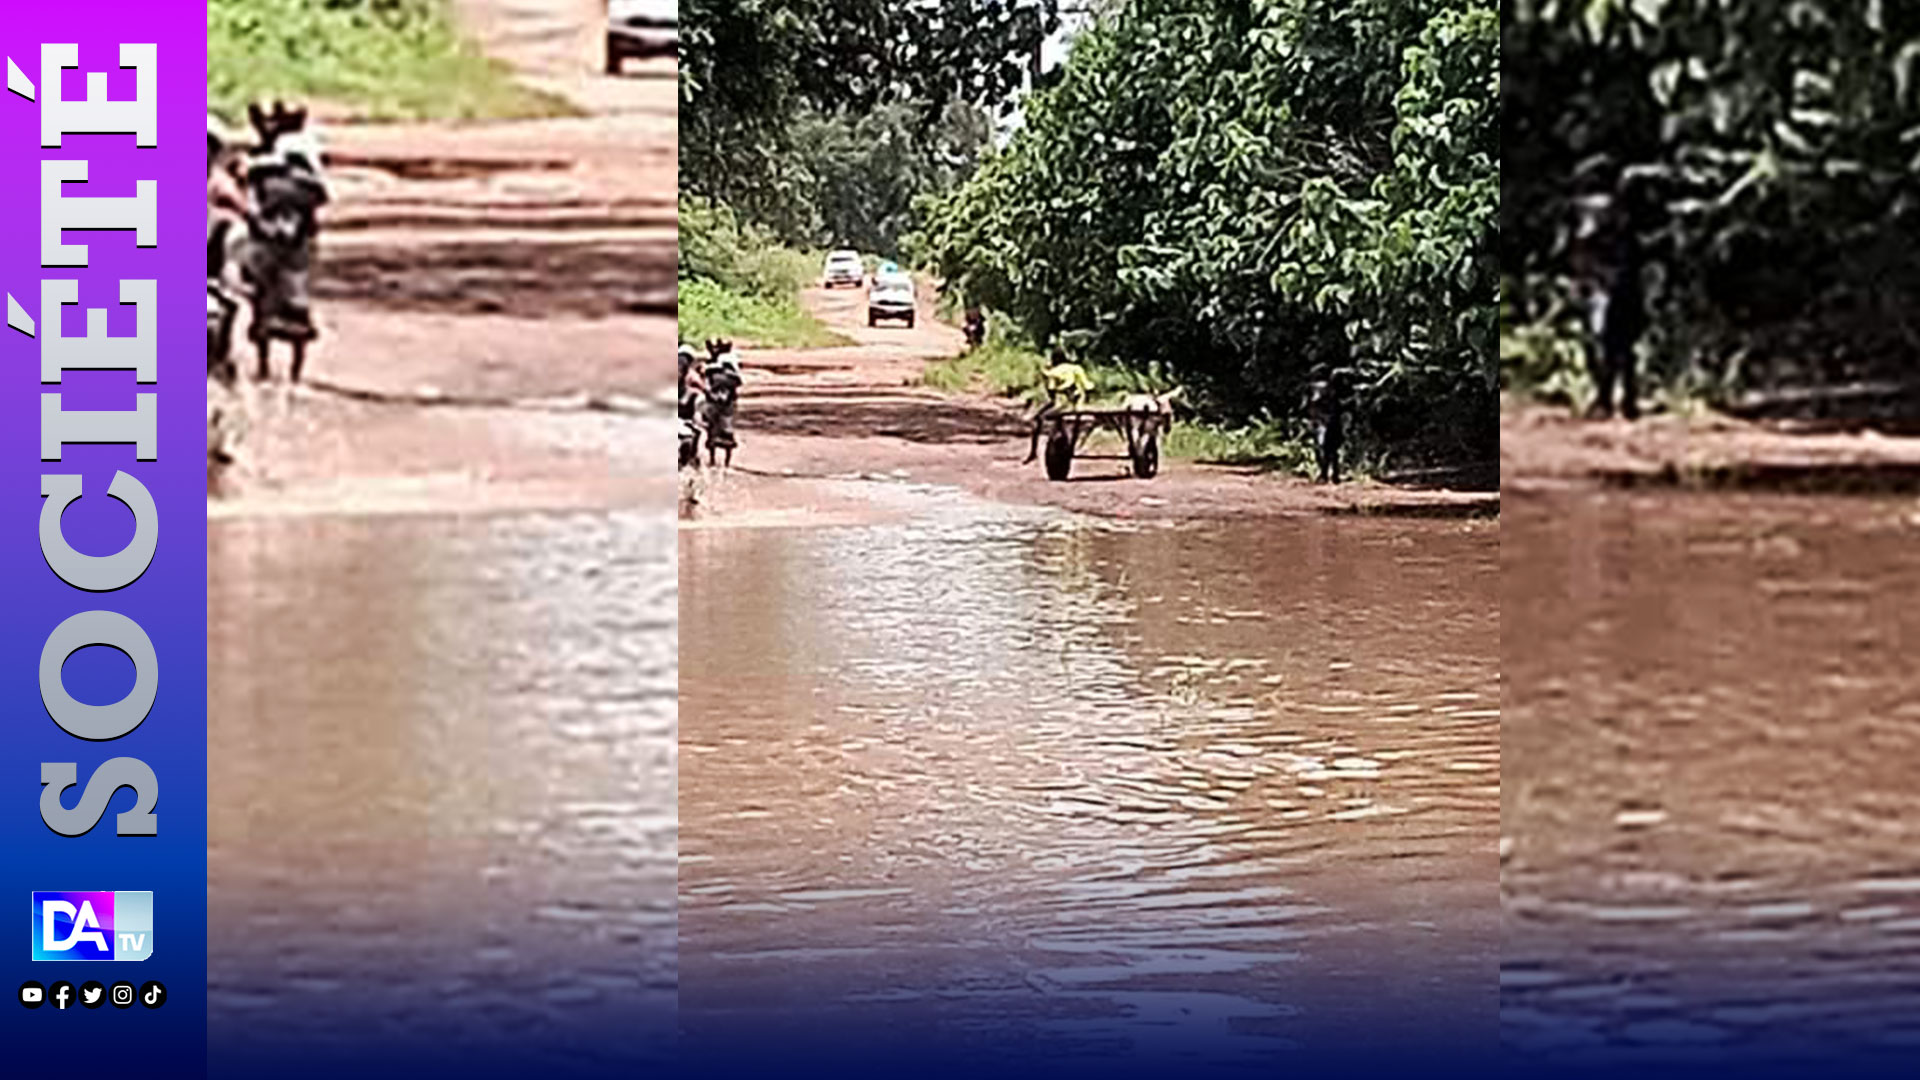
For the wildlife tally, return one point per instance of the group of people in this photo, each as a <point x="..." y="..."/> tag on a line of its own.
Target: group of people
<point x="709" y="399"/>
<point x="263" y="203"/>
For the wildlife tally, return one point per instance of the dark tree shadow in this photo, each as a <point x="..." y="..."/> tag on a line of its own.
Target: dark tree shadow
<point x="918" y="420"/>
<point x="592" y="280"/>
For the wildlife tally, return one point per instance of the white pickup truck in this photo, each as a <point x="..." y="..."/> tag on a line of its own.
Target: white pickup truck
<point x="638" y="29"/>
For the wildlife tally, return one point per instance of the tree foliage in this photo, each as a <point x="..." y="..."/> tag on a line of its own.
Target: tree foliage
<point x="1777" y="143"/>
<point x="749" y="69"/>
<point x="850" y="179"/>
<point x="1253" y="192"/>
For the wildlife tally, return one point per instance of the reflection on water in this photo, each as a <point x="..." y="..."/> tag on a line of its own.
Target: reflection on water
<point x="1060" y="787"/>
<point x="1711" y="813"/>
<point x="442" y="779"/>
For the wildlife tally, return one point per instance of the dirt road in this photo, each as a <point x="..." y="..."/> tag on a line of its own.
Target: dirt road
<point x="495" y="301"/>
<point x="820" y="427"/>
<point x="1545" y="447"/>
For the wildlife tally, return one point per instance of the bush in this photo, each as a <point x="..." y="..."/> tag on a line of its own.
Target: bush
<point x="717" y="247"/>
<point x="709" y="310"/>
<point x="389" y="59"/>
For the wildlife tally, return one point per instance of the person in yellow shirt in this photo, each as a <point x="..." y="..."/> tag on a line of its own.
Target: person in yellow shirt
<point x="1066" y="386"/>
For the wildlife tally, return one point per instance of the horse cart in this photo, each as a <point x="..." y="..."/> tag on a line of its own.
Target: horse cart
<point x="1066" y="431"/>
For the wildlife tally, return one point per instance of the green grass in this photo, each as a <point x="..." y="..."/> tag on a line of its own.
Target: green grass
<point x="999" y="368"/>
<point x="708" y="310"/>
<point x="382" y="59"/>
<point x="1266" y="445"/>
<point x="737" y="282"/>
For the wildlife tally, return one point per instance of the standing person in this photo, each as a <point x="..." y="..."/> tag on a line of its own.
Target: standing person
<point x="1329" y="426"/>
<point x="975" y="327"/>
<point x="693" y="383"/>
<point x="226" y="232"/>
<point x="226" y="191"/>
<point x="723" y="398"/>
<point x="1611" y="258"/>
<point x="286" y="188"/>
<point x="693" y="392"/>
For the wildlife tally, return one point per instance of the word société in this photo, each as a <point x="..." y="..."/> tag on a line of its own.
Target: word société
<point x="60" y="427"/>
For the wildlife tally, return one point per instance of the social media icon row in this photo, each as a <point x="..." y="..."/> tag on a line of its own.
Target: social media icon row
<point x="92" y="995"/>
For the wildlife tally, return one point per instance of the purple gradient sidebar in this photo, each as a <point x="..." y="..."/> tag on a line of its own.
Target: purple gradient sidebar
<point x="103" y="534"/>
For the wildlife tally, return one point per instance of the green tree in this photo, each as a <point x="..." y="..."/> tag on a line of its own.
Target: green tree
<point x="750" y="68"/>
<point x="1774" y="143"/>
<point x="1254" y="192"/>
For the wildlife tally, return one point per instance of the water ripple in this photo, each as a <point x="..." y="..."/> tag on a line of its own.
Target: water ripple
<point x="1174" y="778"/>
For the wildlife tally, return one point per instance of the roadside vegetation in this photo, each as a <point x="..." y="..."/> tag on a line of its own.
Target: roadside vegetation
<point x="382" y="59"/>
<point x="1769" y="150"/>
<point x="1264" y="194"/>
<point x="1240" y="196"/>
<point x="739" y="283"/>
<point x="709" y="310"/>
<point x="785" y="158"/>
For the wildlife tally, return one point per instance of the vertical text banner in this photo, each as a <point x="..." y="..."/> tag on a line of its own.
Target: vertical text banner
<point x="103" y="750"/>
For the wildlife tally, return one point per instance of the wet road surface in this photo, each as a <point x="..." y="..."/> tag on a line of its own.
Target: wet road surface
<point x="994" y="777"/>
<point x="1711" y="826"/>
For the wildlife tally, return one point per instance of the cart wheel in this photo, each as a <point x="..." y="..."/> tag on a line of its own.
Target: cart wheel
<point x="1146" y="463"/>
<point x="613" y="58"/>
<point x="909" y="322"/>
<point x="1059" y="454"/>
<point x="871" y="321"/>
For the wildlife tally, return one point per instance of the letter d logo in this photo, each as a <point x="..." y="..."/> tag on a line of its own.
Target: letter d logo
<point x="72" y="926"/>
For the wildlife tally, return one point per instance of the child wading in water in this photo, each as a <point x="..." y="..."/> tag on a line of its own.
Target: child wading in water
<point x="723" y="398"/>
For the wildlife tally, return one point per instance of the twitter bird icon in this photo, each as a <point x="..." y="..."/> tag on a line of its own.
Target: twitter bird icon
<point x="92" y="994"/>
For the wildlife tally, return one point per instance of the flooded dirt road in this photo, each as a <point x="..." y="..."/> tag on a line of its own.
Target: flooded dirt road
<point x="442" y="717"/>
<point x="1711" y="827"/>
<point x="1029" y="783"/>
<point x="1548" y="448"/>
<point x="863" y="410"/>
<point x="443" y="765"/>
<point x="495" y="300"/>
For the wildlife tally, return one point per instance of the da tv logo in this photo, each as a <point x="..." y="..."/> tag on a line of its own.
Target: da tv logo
<point x="92" y="925"/>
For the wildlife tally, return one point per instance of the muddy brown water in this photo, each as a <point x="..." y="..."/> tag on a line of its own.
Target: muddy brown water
<point x="442" y="757"/>
<point x="1711" y="811"/>
<point x="1014" y="779"/>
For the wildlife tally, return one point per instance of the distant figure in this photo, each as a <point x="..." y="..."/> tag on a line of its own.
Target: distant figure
<point x="722" y="400"/>
<point x="226" y="232"/>
<point x="693" y="392"/>
<point x="1329" y="413"/>
<point x="285" y="191"/>
<point x="1610" y="258"/>
<point x="975" y="327"/>
<point x="1066" y="386"/>
<point x="693" y="383"/>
